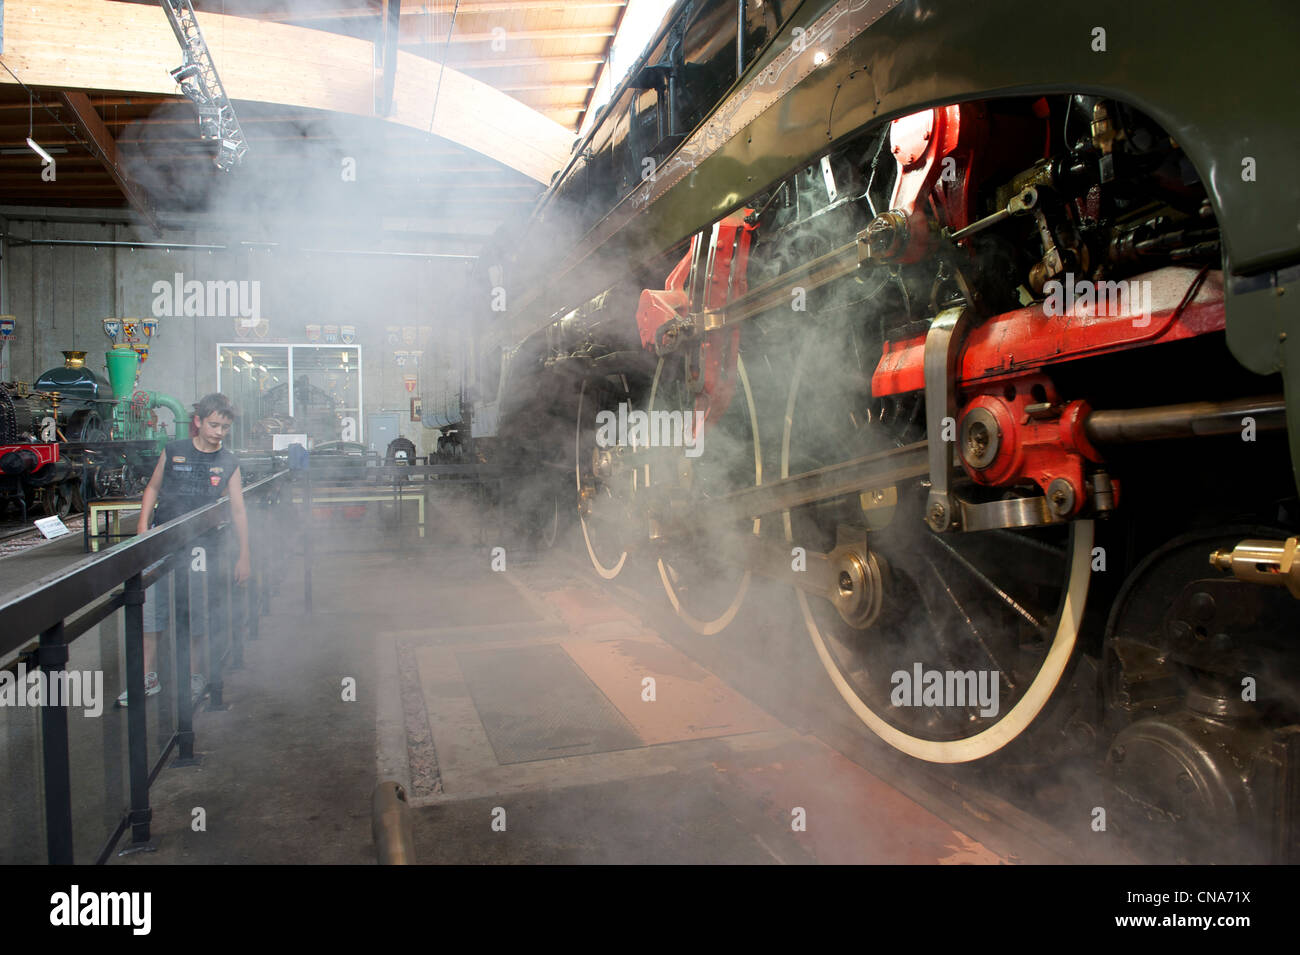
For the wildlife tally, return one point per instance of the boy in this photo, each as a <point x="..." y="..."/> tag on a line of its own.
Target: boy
<point x="191" y="473"/>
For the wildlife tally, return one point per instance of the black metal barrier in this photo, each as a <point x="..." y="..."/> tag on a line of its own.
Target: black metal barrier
<point x="84" y="594"/>
<point x="329" y="472"/>
<point x="46" y="608"/>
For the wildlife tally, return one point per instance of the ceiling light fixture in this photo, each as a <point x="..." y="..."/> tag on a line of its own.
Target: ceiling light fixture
<point x="45" y="157"/>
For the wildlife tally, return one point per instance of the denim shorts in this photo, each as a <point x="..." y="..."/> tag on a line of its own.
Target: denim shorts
<point x="158" y="603"/>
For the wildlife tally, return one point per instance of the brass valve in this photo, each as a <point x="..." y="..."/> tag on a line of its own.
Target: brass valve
<point x="1272" y="563"/>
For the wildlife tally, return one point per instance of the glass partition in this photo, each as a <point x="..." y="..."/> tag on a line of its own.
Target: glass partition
<point x="291" y="389"/>
<point x="256" y="379"/>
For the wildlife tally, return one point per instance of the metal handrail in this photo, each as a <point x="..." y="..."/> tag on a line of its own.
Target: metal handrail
<point x="46" y="608"/>
<point x="39" y="606"/>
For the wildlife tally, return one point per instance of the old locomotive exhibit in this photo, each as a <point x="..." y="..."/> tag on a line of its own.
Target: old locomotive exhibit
<point x="635" y="431"/>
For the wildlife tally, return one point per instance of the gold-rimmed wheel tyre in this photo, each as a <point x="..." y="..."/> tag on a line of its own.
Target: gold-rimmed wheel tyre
<point x="705" y="584"/>
<point x="605" y="481"/>
<point x="975" y="631"/>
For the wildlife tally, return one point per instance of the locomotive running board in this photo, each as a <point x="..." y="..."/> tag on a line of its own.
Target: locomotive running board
<point x="836" y="264"/>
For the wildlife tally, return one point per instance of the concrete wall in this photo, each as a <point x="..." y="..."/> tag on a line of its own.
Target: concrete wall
<point x="60" y="295"/>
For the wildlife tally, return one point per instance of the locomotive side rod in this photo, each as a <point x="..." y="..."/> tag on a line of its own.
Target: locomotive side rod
<point x="849" y="577"/>
<point x="886" y="468"/>
<point x="878" y="470"/>
<point x="768" y="557"/>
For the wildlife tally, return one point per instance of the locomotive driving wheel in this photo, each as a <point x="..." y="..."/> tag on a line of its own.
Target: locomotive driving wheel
<point x="605" y="482"/>
<point x="975" y="630"/>
<point x="57" y="500"/>
<point x="87" y="427"/>
<point x="704" y="584"/>
<point x="549" y="527"/>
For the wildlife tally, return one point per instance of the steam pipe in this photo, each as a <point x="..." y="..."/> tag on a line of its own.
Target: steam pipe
<point x="116" y="242"/>
<point x="390" y="824"/>
<point x="159" y="400"/>
<point x="740" y="38"/>
<point x="1192" y="420"/>
<point x="195" y="246"/>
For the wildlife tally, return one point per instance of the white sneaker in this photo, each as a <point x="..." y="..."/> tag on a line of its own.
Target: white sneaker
<point x="151" y="688"/>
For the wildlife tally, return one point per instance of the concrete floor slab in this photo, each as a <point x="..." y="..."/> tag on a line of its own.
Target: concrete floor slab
<point x="689" y="702"/>
<point x="535" y="703"/>
<point x="439" y="647"/>
<point x="849" y="816"/>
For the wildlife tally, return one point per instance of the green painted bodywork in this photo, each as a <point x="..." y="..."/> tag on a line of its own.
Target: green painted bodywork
<point x="1219" y="77"/>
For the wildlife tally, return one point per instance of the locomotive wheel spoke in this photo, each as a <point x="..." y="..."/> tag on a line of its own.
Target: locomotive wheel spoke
<point x="978" y="575"/>
<point x="971" y="626"/>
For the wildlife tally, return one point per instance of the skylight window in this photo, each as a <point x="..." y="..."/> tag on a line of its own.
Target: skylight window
<point x="641" y="21"/>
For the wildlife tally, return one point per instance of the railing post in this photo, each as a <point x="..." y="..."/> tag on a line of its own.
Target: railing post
<point x="181" y="578"/>
<point x="307" y="545"/>
<point x="278" y="566"/>
<point x="218" y="621"/>
<point x="274" y="560"/>
<point x="397" y="513"/>
<point x="52" y="656"/>
<point x="253" y="600"/>
<point x="262" y="556"/>
<point x="236" y="603"/>
<point x="137" y="727"/>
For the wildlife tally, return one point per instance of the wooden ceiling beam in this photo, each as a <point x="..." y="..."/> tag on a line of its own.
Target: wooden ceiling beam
<point x="102" y="145"/>
<point x="98" y="101"/>
<point x="437" y="10"/>
<point x="131" y="46"/>
<point x="69" y="159"/>
<point x="391" y="30"/>
<point x="534" y="87"/>
<point x="421" y="39"/>
<point x="108" y="190"/>
<point x="503" y="62"/>
<point x="192" y="119"/>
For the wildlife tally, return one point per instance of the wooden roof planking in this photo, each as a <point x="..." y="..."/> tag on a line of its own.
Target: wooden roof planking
<point x="305" y="80"/>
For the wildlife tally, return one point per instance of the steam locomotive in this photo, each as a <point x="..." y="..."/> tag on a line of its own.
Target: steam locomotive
<point x="72" y="436"/>
<point x="971" y="330"/>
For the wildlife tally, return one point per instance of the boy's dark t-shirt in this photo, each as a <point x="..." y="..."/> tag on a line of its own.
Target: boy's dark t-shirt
<point x="191" y="478"/>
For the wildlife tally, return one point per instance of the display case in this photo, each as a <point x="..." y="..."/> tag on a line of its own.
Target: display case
<point x="291" y="389"/>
